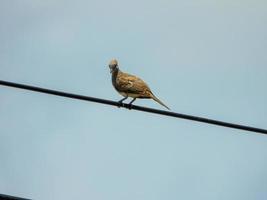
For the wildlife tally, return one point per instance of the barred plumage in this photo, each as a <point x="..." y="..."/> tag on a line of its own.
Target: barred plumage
<point x="130" y="86"/>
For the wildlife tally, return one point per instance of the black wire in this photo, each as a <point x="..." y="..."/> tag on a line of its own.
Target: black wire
<point x="133" y="107"/>
<point x="7" y="197"/>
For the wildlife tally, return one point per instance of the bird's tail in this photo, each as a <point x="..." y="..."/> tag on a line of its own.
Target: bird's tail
<point x="159" y="101"/>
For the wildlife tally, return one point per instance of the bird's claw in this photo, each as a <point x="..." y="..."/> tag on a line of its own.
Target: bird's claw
<point x="130" y="106"/>
<point x="120" y="104"/>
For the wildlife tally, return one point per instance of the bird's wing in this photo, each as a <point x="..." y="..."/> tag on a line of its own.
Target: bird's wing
<point x="131" y="84"/>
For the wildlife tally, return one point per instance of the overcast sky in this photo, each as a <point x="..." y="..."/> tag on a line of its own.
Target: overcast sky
<point x="205" y="58"/>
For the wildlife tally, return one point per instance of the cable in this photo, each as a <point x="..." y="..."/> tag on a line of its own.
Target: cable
<point x="7" y="197"/>
<point x="133" y="107"/>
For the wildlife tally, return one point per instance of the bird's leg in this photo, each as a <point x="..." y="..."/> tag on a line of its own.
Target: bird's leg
<point x="120" y="101"/>
<point x="131" y="103"/>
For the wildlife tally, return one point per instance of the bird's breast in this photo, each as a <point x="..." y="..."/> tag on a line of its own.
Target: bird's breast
<point x="123" y="94"/>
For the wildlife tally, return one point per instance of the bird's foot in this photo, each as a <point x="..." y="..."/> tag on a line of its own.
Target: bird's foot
<point x="130" y="106"/>
<point x="120" y="104"/>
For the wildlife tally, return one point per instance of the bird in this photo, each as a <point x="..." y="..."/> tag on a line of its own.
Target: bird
<point x="130" y="86"/>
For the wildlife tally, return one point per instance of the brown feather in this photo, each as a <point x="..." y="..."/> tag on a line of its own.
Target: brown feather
<point x="131" y="84"/>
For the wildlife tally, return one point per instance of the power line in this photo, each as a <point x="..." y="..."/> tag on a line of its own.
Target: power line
<point x="7" y="197"/>
<point x="133" y="107"/>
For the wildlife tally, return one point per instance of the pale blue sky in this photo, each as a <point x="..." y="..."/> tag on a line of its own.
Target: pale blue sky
<point x="205" y="58"/>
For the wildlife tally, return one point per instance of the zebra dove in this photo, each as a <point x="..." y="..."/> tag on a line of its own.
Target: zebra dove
<point x="130" y="86"/>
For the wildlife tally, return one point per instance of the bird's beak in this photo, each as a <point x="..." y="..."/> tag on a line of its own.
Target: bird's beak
<point x="111" y="69"/>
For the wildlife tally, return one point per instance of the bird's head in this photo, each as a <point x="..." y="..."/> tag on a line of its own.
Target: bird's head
<point x="113" y="65"/>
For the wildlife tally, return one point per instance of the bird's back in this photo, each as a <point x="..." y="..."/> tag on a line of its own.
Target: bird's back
<point x="132" y="84"/>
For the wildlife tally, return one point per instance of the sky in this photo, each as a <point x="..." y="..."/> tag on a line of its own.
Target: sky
<point x="204" y="58"/>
